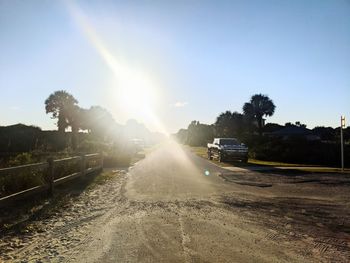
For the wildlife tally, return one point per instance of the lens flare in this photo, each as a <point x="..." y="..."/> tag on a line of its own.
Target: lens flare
<point x="135" y="90"/>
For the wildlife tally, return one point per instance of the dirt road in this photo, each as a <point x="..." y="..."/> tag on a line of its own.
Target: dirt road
<point x="174" y="206"/>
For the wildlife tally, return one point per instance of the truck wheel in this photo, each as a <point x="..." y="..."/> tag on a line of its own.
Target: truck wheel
<point x="209" y="155"/>
<point x="221" y="157"/>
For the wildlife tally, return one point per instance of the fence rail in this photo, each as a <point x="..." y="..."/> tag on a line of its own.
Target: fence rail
<point x="51" y="175"/>
<point x="4" y="172"/>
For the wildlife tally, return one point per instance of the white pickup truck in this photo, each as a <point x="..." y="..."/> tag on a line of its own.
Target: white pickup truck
<point x="227" y="149"/>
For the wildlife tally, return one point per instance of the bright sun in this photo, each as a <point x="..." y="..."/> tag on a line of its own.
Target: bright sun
<point x="135" y="93"/>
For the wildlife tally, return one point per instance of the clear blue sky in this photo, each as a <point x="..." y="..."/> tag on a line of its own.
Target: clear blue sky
<point x="203" y="57"/>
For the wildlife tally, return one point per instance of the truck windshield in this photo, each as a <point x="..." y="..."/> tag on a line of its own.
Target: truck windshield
<point x="228" y="142"/>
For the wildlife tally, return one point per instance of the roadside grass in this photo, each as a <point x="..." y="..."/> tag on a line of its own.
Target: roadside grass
<point x="202" y="152"/>
<point x="299" y="167"/>
<point x="279" y="164"/>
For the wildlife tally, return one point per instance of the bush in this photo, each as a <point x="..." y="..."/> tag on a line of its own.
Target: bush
<point x="65" y="168"/>
<point x="91" y="146"/>
<point x="297" y="150"/>
<point x="17" y="181"/>
<point x="21" y="159"/>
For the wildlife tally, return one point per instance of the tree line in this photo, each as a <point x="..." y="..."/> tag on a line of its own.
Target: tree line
<point x="263" y="144"/>
<point x="65" y="109"/>
<point x="79" y="130"/>
<point x="230" y="124"/>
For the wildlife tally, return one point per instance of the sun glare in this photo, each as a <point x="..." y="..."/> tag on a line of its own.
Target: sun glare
<point x="135" y="91"/>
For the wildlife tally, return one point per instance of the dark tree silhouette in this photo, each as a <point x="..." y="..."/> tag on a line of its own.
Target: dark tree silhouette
<point x="296" y="124"/>
<point x="97" y="120"/>
<point x="61" y="104"/>
<point x="199" y="134"/>
<point x="75" y="119"/>
<point x="258" y="107"/>
<point x="325" y="133"/>
<point x="272" y="127"/>
<point x="229" y="124"/>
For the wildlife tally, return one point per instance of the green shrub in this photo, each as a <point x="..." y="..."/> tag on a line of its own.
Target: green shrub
<point x="91" y="146"/>
<point x="297" y="150"/>
<point x="19" y="180"/>
<point x="68" y="167"/>
<point x="21" y="159"/>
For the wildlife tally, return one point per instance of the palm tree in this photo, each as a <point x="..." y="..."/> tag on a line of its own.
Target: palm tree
<point x="61" y="104"/>
<point x="258" y="107"/>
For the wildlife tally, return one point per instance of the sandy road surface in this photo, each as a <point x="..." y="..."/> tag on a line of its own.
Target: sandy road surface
<point x="176" y="207"/>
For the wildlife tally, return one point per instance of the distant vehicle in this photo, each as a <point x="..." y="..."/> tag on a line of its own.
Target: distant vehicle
<point x="139" y="144"/>
<point x="227" y="149"/>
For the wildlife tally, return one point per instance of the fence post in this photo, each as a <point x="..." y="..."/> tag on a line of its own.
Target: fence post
<point x="51" y="176"/>
<point x="83" y="165"/>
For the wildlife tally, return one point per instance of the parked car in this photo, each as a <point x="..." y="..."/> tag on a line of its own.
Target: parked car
<point x="227" y="149"/>
<point x="137" y="144"/>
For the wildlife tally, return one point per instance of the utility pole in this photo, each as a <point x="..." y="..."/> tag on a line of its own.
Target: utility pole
<point x="342" y="125"/>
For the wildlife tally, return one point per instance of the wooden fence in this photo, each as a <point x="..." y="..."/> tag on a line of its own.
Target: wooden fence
<point x="47" y="175"/>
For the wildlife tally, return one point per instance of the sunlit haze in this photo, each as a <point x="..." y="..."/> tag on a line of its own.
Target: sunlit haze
<point x="164" y="62"/>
